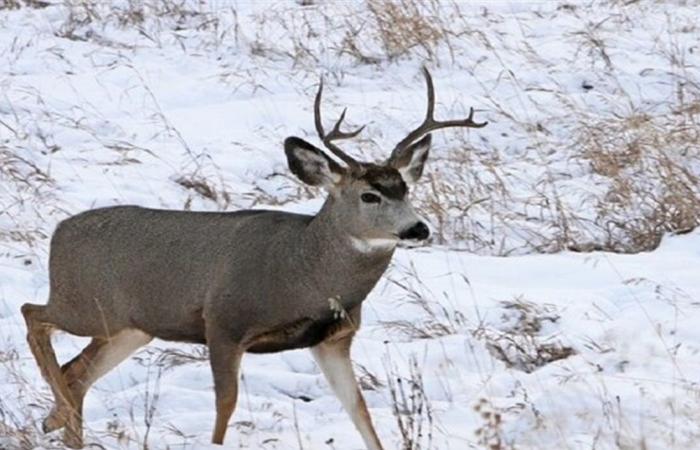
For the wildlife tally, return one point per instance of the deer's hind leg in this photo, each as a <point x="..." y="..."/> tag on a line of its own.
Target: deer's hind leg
<point x="39" y="329"/>
<point x="71" y="371"/>
<point x="70" y="382"/>
<point x="98" y="358"/>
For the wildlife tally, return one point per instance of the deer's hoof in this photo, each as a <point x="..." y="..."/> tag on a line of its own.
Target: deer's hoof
<point x="73" y="442"/>
<point x="53" y="422"/>
<point x="73" y="439"/>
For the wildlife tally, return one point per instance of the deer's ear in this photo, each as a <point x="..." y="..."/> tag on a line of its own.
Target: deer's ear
<point x="310" y="164"/>
<point x="411" y="161"/>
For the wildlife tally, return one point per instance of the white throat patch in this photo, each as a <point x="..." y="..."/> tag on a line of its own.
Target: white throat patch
<point x="373" y="244"/>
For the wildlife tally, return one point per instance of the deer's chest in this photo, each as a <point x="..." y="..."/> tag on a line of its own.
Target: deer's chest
<point x="302" y="333"/>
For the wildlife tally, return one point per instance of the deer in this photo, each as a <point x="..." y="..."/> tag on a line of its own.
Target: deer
<point x="248" y="281"/>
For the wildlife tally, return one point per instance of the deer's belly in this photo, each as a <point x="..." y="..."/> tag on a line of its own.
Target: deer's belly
<point x="180" y="327"/>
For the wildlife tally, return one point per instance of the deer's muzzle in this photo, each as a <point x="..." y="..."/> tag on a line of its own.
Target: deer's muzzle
<point x="418" y="232"/>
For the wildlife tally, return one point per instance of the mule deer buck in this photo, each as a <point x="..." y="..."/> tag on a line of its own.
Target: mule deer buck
<point x="246" y="281"/>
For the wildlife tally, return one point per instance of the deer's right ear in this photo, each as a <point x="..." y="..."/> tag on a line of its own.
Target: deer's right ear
<point x="310" y="164"/>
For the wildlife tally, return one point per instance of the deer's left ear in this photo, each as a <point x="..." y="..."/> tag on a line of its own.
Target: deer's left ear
<point x="411" y="160"/>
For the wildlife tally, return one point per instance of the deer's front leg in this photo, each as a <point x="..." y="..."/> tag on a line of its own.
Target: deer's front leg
<point x="225" y="357"/>
<point x="333" y="357"/>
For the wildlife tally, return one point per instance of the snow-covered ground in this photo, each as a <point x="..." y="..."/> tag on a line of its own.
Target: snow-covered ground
<point x="593" y="142"/>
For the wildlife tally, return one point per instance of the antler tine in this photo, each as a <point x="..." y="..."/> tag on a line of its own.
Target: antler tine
<point x="430" y="113"/>
<point x="430" y="124"/>
<point x="336" y="133"/>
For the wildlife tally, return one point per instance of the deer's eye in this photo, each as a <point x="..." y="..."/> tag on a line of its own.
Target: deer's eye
<point x="368" y="197"/>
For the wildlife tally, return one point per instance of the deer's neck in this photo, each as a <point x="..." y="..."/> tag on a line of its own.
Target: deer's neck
<point x="341" y="261"/>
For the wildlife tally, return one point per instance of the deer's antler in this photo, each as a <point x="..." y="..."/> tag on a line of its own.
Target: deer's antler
<point x="430" y="124"/>
<point x="335" y="134"/>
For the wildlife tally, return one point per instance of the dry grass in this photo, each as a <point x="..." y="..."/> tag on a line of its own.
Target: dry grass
<point x="519" y="342"/>
<point x="404" y="25"/>
<point x="86" y="17"/>
<point x="169" y="358"/>
<point x="411" y="407"/>
<point x="490" y="435"/>
<point x="24" y="186"/>
<point x="480" y="196"/>
<point x="18" y="425"/>
<point x="653" y="186"/>
<point x="495" y="200"/>
<point x="434" y="319"/>
<point x="16" y="4"/>
<point x="373" y="33"/>
<point x="204" y="187"/>
<point x="22" y="172"/>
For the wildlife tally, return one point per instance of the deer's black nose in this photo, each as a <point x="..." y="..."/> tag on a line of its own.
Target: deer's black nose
<point x="419" y="232"/>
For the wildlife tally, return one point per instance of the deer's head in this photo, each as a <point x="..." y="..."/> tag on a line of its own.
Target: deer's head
<point x="370" y="201"/>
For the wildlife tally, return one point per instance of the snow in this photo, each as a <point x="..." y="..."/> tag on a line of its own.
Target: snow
<point x="103" y="113"/>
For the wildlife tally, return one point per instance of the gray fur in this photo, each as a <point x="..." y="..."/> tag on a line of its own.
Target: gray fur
<point x="172" y="274"/>
<point x="246" y="281"/>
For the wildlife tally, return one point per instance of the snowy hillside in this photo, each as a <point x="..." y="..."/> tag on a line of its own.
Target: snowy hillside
<point x="557" y="304"/>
